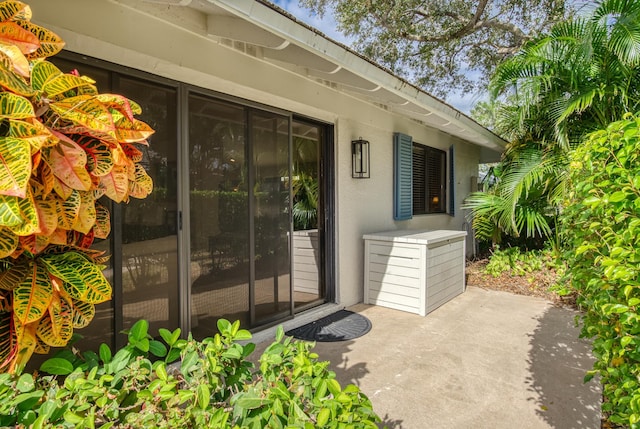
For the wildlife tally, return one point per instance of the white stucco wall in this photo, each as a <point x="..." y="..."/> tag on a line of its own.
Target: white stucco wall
<point x="110" y="31"/>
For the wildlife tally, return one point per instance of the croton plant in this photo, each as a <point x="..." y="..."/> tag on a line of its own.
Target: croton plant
<point x="63" y="146"/>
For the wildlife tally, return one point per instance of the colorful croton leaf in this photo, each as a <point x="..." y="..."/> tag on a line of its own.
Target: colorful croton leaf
<point x="63" y="145"/>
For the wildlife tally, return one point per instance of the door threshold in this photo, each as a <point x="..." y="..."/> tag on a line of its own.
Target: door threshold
<point x="308" y="316"/>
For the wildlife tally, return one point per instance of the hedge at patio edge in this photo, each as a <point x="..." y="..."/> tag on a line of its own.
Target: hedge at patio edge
<point x="601" y="225"/>
<point x="213" y="385"/>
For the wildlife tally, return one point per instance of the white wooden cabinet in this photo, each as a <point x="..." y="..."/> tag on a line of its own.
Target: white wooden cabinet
<point x="306" y="260"/>
<point x="414" y="271"/>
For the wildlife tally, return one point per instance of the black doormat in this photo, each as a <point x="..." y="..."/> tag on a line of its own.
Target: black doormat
<point x="341" y="326"/>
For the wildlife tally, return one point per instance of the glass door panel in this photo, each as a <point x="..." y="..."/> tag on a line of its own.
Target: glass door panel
<point x="219" y="205"/>
<point x="308" y="286"/>
<point x="271" y="298"/>
<point x="149" y="226"/>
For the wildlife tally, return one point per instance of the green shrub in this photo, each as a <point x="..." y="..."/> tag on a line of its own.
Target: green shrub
<point x="518" y="263"/>
<point x="185" y="383"/>
<point x="602" y="230"/>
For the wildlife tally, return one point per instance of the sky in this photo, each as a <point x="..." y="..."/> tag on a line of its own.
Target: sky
<point x="327" y="25"/>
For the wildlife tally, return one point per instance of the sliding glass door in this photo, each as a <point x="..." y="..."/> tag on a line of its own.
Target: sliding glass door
<point x="239" y="214"/>
<point x="255" y="196"/>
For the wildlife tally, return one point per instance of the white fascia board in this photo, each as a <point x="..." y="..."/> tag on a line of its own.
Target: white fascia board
<point x="281" y="25"/>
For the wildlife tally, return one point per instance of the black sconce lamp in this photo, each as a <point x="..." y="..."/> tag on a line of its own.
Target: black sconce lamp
<point x="360" y="164"/>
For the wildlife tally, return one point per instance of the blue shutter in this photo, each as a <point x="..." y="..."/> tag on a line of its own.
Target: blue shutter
<point x="402" y="177"/>
<point x="452" y="183"/>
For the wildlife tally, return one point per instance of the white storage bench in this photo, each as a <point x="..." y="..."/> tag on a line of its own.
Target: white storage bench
<point x="414" y="271"/>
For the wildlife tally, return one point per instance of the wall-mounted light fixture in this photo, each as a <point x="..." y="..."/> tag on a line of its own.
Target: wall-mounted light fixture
<point x="361" y="163"/>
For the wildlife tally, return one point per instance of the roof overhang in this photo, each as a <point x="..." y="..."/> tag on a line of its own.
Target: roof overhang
<point x="270" y="33"/>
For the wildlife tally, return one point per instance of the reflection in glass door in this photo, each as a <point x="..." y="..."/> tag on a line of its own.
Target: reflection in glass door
<point x="149" y="227"/>
<point x="271" y="297"/>
<point x="238" y="202"/>
<point x="308" y="214"/>
<point x="219" y="219"/>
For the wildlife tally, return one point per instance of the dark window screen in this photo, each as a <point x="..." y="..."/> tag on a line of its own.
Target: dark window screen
<point x="429" y="179"/>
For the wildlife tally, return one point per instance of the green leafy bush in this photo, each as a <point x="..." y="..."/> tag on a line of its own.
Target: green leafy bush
<point x="602" y="230"/>
<point x="185" y="383"/>
<point x="519" y="263"/>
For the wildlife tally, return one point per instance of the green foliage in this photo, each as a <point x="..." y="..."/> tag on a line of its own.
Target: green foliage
<point x="306" y="194"/>
<point x="602" y="233"/>
<point x="176" y="382"/>
<point x="63" y="146"/>
<point x="576" y="79"/>
<point x="560" y="86"/>
<point x="436" y="43"/>
<point x="523" y="199"/>
<point x="519" y="263"/>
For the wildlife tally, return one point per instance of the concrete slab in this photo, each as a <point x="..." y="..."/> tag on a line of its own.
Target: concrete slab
<point x="486" y="359"/>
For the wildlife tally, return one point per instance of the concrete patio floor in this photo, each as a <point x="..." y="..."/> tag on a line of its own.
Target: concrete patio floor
<point x="486" y="359"/>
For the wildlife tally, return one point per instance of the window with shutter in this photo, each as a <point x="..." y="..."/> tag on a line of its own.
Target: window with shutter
<point x="429" y="180"/>
<point x="420" y="178"/>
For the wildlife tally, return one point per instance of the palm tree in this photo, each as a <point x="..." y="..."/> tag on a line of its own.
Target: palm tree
<point x="580" y="77"/>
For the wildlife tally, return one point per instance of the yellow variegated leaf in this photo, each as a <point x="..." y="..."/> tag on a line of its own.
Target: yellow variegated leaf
<point x="47" y="210"/>
<point x="36" y="158"/>
<point x="37" y="135"/>
<point x="102" y="228"/>
<point x="68" y="210"/>
<point x="43" y="72"/>
<point x="68" y="162"/>
<point x="26" y="345"/>
<point x="142" y="185"/>
<point x="88" y="90"/>
<point x="120" y="157"/>
<point x="14" y="10"/>
<point x="6" y="61"/>
<point x="41" y="243"/>
<point x="13" y="82"/>
<point x="8" y="339"/>
<point x="87" y="214"/>
<point x="13" y="276"/>
<point x="99" y="156"/>
<point x="13" y="106"/>
<point x="15" y="166"/>
<point x="9" y="211"/>
<point x="60" y="237"/>
<point x="83" y="314"/>
<point x="27" y="244"/>
<point x="85" y="111"/>
<point x="13" y="34"/>
<point x="127" y="107"/>
<point x="62" y="190"/>
<point x="42" y="348"/>
<point x="18" y="61"/>
<point x="50" y="42"/>
<point x="83" y="279"/>
<point x="62" y="83"/>
<point x="116" y="183"/>
<point x="31" y="298"/>
<point x="61" y="320"/>
<point x="128" y="131"/>
<point x="8" y="244"/>
<point x="47" y="179"/>
<point x="132" y="152"/>
<point x="28" y="215"/>
<point x="46" y="334"/>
